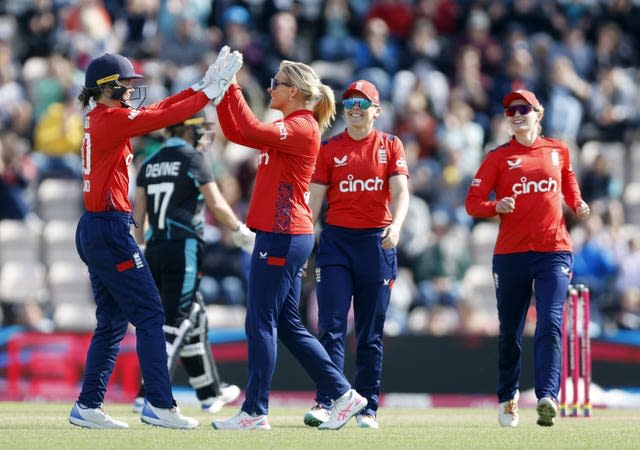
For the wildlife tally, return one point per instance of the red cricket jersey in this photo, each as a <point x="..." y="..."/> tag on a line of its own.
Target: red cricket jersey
<point x="288" y="150"/>
<point x="539" y="177"/>
<point x="106" y="149"/>
<point x="357" y="175"/>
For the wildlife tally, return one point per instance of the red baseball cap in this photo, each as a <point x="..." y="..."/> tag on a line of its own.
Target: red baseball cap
<point x="365" y="88"/>
<point x="522" y="94"/>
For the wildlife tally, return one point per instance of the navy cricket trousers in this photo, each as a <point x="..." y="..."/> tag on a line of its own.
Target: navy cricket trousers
<point x="352" y="262"/>
<point x="272" y="313"/>
<point x="516" y="277"/>
<point x="124" y="292"/>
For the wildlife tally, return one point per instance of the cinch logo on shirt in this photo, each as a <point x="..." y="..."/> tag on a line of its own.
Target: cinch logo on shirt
<point x="528" y="187"/>
<point x="133" y="113"/>
<point x="353" y="185"/>
<point x="283" y="130"/>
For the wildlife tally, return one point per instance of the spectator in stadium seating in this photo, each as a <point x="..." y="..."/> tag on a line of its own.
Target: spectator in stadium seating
<point x="37" y="28"/>
<point x="567" y="94"/>
<point x="595" y="266"/>
<point x="440" y="269"/>
<point x="598" y="182"/>
<point x="239" y="33"/>
<point x="283" y="43"/>
<point x="396" y="13"/>
<point x="337" y="27"/>
<point x="531" y="176"/>
<point x="18" y="177"/>
<point x="57" y="140"/>
<point x="16" y="112"/>
<point x="612" y="106"/>
<point x="376" y="50"/>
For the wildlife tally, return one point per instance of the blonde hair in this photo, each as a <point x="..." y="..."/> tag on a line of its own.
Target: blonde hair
<point x="317" y="96"/>
<point x="540" y="112"/>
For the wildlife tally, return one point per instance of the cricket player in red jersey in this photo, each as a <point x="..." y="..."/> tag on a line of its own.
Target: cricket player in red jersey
<point x="531" y="176"/>
<point x="123" y="287"/>
<point x="363" y="173"/>
<point x="279" y="214"/>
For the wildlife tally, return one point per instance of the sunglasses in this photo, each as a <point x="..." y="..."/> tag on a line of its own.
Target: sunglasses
<point x="520" y="109"/>
<point x="362" y="103"/>
<point x="275" y="83"/>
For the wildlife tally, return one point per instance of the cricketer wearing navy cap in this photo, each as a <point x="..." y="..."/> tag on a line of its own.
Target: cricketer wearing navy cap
<point x="108" y="71"/>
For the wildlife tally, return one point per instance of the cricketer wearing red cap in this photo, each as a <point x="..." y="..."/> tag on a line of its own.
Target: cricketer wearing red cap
<point x="531" y="177"/>
<point x="365" y="88"/>
<point x="521" y="94"/>
<point x="363" y="174"/>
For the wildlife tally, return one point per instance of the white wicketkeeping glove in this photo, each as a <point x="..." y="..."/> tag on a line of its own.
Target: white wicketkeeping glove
<point x="216" y="90"/>
<point x="213" y="70"/>
<point x="244" y="238"/>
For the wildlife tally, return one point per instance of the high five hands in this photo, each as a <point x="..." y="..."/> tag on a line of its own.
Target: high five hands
<point x="220" y="74"/>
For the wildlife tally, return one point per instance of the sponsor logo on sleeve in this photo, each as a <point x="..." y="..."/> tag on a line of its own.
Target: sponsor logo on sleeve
<point x="283" y="130"/>
<point x="133" y="113"/>
<point x="476" y="182"/>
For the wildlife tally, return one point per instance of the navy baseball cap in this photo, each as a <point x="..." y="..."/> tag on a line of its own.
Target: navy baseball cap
<point x="108" y="68"/>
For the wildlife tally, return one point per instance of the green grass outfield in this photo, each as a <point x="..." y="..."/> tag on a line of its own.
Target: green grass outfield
<point x="45" y="426"/>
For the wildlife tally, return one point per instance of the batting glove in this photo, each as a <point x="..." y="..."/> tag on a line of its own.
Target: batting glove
<point x="244" y="238"/>
<point x="216" y="90"/>
<point x="212" y="71"/>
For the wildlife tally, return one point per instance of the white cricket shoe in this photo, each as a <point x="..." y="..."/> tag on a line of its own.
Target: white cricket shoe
<point x="317" y="415"/>
<point x="508" y="412"/>
<point x="138" y="404"/>
<point x="366" y="421"/>
<point x="228" y="394"/>
<point x="242" y="421"/>
<point x="547" y="411"/>
<point x="94" y="418"/>
<point x="344" y="408"/>
<point x="166" y="417"/>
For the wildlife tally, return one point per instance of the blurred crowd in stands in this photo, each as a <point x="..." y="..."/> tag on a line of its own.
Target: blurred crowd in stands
<point x="442" y="68"/>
